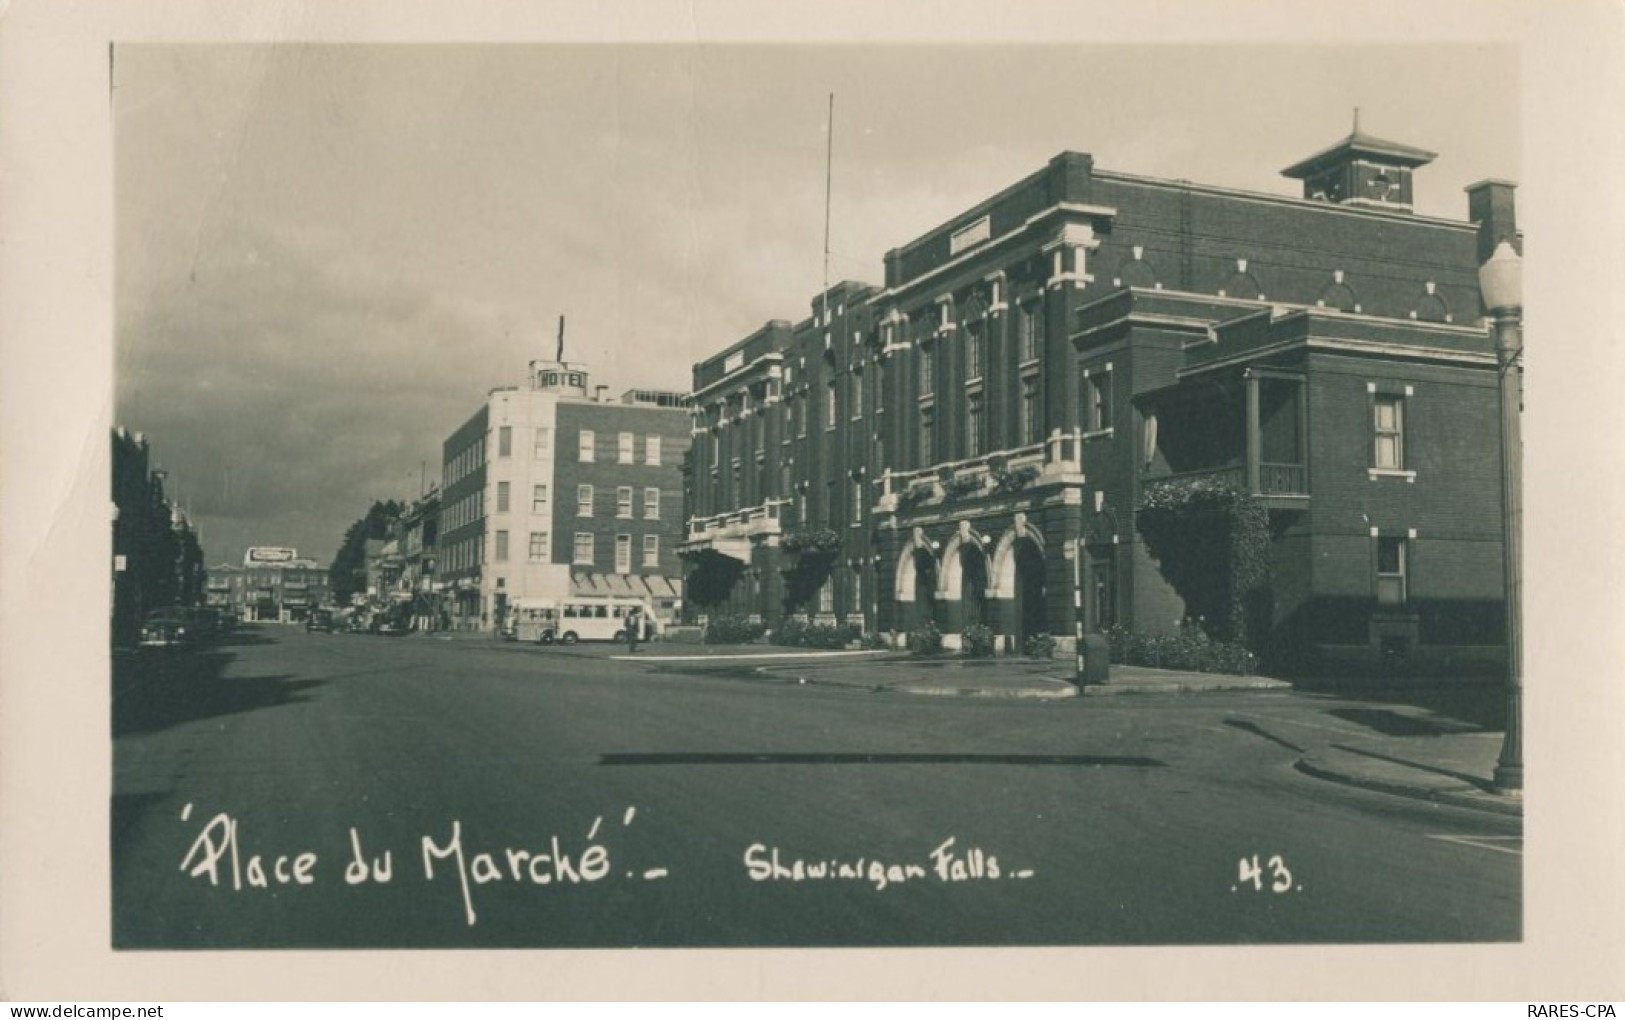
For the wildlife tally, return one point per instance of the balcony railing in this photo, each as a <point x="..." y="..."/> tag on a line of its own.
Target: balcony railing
<point x="743" y="523"/>
<point x="1061" y="453"/>
<point x="1273" y="479"/>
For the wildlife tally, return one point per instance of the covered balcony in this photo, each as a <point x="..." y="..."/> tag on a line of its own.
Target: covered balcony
<point x="731" y="534"/>
<point x="1248" y="429"/>
<point x="997" y="473"/>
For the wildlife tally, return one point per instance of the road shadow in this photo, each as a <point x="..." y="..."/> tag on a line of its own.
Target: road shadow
<point x="127" y="810"/>
<point x="1480" y="705"/>
<point x="821" y="758"/>
<point x="1390" y="723"/>
<point x="156" y="690"/>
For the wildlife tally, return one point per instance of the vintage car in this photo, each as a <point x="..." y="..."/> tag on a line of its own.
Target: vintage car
<point x="319" y="619"/>
<point x="172" y="627"/>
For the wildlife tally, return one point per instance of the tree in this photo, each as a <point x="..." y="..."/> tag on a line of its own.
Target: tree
<point x="348" y="573"/>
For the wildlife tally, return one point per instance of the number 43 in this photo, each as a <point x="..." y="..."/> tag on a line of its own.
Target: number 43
<point x="1251" y="872"/>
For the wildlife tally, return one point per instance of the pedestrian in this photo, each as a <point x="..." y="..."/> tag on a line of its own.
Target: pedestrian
<point x="634" y="629"/>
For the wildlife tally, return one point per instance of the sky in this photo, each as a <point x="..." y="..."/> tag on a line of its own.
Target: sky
<point x="327" y="255"/>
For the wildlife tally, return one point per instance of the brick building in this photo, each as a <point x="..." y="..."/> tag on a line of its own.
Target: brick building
<point x="273" y="585"/>
<point x="991" y="434"/>
<point x="547" y="492"/>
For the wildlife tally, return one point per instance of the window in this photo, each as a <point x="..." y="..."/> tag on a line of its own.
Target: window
<point x="1029" y="426"/>
<point x="1099" y="395"/>
<point x="505" y="441"/>
<point x="586" y="448"/>
<point x="544" y="444"/>
<point x="583" y="549"/>
<point x="1389" y="429"/>
<point x="1031" y="330"/>
<point x="623" y="554"/>
<point x="502" y="497"/>
<point x="623" y="501"/>
<point x="928" y="370"/>
<point x="624" y="447"/>
<point x="973" y="425"/>
<point x="880" y="386"/>
<point x="651" y="550"/>
<point x="826" y="595"/>
<point x="538" y="499"/>
<point x="857" y="591"/>
<point x="651" y="449"/>
<point x="502" y="546"/>
<point x="583" y="501"/>
<point x="928" y="436"/>
<point x="857" y="501"/>
<point x="538" y="547"/>
<point x="801" y="416"/>
<point x="1390" y="571"/>
<point x="651" y="504"/>
<point x="829" y="404"/>
<point x="857" y="395"/>
<point x="973" y="350"/>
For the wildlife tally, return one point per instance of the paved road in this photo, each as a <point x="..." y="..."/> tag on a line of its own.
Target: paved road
<point x="563" y="799"/>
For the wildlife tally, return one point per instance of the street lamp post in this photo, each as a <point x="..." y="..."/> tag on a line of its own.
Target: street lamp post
<point x="1501" y="281"/>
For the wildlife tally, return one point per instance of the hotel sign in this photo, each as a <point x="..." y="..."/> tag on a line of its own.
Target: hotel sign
<point x="263" y="554"/>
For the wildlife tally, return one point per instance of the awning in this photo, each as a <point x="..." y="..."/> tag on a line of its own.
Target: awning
<point x="733" y="548"/>
<point x="644" y="586"/>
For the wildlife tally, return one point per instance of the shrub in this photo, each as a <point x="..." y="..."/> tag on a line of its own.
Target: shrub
<point x="875" y="641"/>
<point x="965" y="485"/>
<point x="733" y="630"/>
<point x="1014" y="480"/>
<point x="1039" y="646"/>
<point x="977" y="641"/>
<point x="798" y="632"/>
<point x="1189" y="648"/>
<point x="925" y="639"/>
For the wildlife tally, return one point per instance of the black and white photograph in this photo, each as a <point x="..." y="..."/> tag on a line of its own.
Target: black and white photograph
<point x="708" y="493"/>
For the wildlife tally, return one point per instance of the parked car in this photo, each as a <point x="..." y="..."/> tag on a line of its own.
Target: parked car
<point x="319" y="619"/>
<point x="170" y="627"/>
<point x="393" y="622"/>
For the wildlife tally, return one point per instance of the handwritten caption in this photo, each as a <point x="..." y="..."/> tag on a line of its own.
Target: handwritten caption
<point x="217" y="855"/>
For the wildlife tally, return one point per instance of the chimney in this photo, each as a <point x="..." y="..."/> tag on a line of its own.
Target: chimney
<point x="1491" y="205"/>
<point x="598" y="392"/>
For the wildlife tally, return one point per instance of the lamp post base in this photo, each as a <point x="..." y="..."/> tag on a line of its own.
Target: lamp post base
<point x="1509" y="779"/>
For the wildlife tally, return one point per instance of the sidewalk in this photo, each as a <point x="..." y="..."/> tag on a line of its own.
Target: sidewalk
<point x="1452" y="769"/>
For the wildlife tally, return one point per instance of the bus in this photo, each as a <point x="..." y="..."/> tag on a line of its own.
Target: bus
<point x="577" y="618"/>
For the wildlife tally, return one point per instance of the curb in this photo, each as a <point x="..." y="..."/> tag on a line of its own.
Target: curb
<point x="1028" y="693"/>
<point x="1475" y="802"/>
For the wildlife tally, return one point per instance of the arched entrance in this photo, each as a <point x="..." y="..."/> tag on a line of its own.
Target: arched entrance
<point x="925" y="588"/>
<point x="973" y="583"/>
<point x="1018" y="585"/>
<point x="1030" y="608"/>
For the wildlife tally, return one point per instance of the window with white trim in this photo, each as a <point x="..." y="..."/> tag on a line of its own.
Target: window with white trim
<point x="538" y="499"/>
<point x="623" y="554"/>
<point x="651" y="504"/>
<point x="651" y="449"/>
<point x="543" y="447"/>
<point x="651" y="550"/>
<point x="583" y="555"/>
<point x="1099" y="395"/>
<point x="856" y="394"/>
<point x="624" y="446"/>
<point x="623" y="501"/>
<point x="1388" y="432"/>
<point x="583" y="501"/>
<point x="586" y="449"/>
<point x="538" y="547"/>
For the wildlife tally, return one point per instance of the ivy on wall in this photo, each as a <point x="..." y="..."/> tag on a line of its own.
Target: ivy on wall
<point x="812" y="553"/>
<point x="1211" y="541"/>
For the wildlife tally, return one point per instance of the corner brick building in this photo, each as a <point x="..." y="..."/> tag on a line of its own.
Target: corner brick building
<point x="548" y="492"/>
<point x="984" y="433"/>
